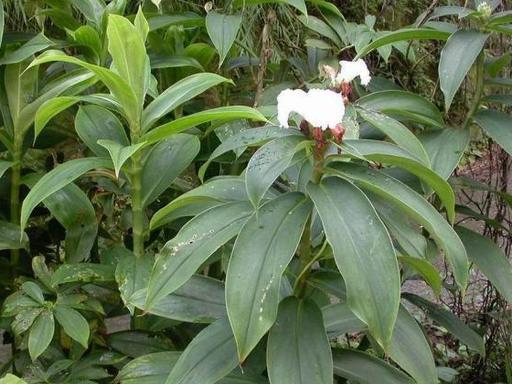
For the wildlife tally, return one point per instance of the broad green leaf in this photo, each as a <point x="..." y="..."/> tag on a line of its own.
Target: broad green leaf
<point x="10" y="236"/>
<point x="504" y="17"/>
<point x="401" y="35"/>
<point x="174" y="61"/>
<point x="141" y="24"/>
<point x="119" y="153"/>
<point x="445" y="149"/>
<point x="262" y="251"/>
<point x="132" y="273"/>
<point x="184" y="123"/>
<point x="397" y="132"/>
<point x="49" y="109"/>
<point x="330" y="282"/>
<point x="83" y="273"/>
<point x="417" y="208"/>
<point x="497" y="125"/>
<point x="24" y="320"/>
<point x="41" y="334"/>
<point x="339" y="319"/>
<point x="73" y="323"/>
<point x="388" y="153"/>
<point x="457" y="57"/>
<point x="429" y="273"/>
<point x="70" y="83"/>
<point x="298" y="4"/>
<point x="448" y="320"/>
<point x="199" y="300"/>
<point x="116" y="84"/>
<point x="11" y="379"/>
<point x="164" y="162"/>
<point x="498" y="99"/>
<point x="298" y="351"/>
<point x="20" y="87"/>
<point x="38" y="43"/>
<point x="194" y="244"/>
<point x="91" y="9"/>
<point x="56" y="179"/>
<point x="441" y="11"/>
<point x="249" y="137"/>
<point x="138" y="343"/>
<point x="364" y="368"/>
<point x="186" y="19"/>
<point x="4" y="166"/>
<point x="371" y="273"/>
<point x="214" y="192"/>
<point x="177" y="94"/>
<point x="88" y="37"/>
<point x="411" y="350"/>
<point x="210" y="356"/>
<point x="222" y="30"/>
<point x="268" y="162"/>
<point x="33" y="291"/>
<point x="405" y="105"/>
<point x="148" y="369"/>
<point x="405" y="232"/>
<point x="93" y="123"/>
<point x="322" y="28"/>
<point x="129" y="59"/>
<point x="490" y="259"/>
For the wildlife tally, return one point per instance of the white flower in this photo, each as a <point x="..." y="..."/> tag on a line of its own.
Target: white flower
<point x="351" y="69"/>
<point x="319" y="107"/>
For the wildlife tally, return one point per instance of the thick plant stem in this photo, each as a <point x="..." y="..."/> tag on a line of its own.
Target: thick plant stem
<point x="479" y="88"/>
<point x="15" y="194"/>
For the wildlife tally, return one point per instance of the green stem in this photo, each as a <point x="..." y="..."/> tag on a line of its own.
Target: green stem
<point x="301" y="281"/>
<point x="478" y="89"/>
<point x="15" y="193"/>
<point x="136" y="196"/>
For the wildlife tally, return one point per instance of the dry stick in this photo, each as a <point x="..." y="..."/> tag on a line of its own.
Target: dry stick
<point x="265" y="55"/>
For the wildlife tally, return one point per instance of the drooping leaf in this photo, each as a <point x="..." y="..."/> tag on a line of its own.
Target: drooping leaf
<point x="4" y="166"/>
<point x="41" y="334"/>
<point x="371" y="274"/>
<point x="298" y="351"/>
<point x="73" y="209"/>
<point x="445" y="149"/>
<point x="10" y="236"/>
<point x="178" y="150"/>
<point x="56" y="179"/>
<point x="73" y="323"/>
<point x="268" y="163"/>
<point x="497" y="125"/>
<point x="263" y="249"/>
<point x="138" y="343"/>
<point x="397" y="132"/>
<point x="148" y="369"/>
<point x="339" y="319"/>
<point x="38" y="43"/>
<point x="82" y="272"/>
<point x="49" y="109"/>
<point x="364" y="368"/>
<point x="177" y="94"/>
<point x="116" y="84"/>
<point x="298" y="4"/>
<point x="174" y="61"/>
<point x="249" y="137"/>
<point x="417" y="208"/>
<point x="490" y="259"/>
<point x="210" y="356"/>
<point x="199" y="300"/>
<point x="194" y="244"/>
<point x="405" y="105"/>
<point x="457" y="57"/>
<point x="215" y="191"/>
<point x="411" y="350"/>
<point x="429" y="273"/>
<point x="183" y="123"/>
<point x="403" y="35"/>
<point x="93" y="123"/>
<point x="222" y="30"/>
<point x="448" y="320"/>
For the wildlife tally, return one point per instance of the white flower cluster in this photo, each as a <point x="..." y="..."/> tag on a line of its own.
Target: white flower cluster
<point x="320" y="107"/>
